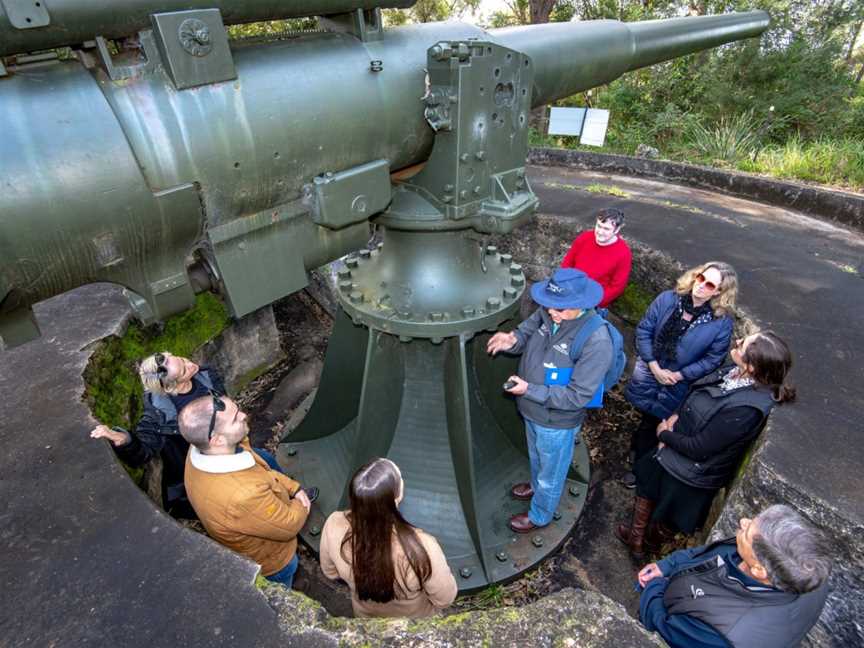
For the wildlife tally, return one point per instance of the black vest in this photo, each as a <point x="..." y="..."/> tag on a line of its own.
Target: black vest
<point x="703" y="402"/>
<point x="758" y="617"/>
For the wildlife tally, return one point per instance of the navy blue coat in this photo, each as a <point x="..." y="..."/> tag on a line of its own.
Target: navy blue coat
<point x="700" y="351"/>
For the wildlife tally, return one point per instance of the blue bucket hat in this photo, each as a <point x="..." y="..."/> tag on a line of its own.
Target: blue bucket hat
<point x="568" y="288"/>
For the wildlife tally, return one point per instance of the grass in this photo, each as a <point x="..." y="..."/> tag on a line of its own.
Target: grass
<point x="833" y="162"/>
<point x="113" y="390"/>
<point x="734" y="143"/>
<point x="607" y="189"/>
<point x="591" y="188"/>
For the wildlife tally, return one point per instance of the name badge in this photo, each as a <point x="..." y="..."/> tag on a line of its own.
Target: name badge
<point x="557" y="375"/>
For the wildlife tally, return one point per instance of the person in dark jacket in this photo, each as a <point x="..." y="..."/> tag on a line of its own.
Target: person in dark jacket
<point x="683" y="336"/>
<point x="552" y="389"/>
<point x="701" y="446"/>
<point x="170" y="383"/>
<point x="765" y="588"/>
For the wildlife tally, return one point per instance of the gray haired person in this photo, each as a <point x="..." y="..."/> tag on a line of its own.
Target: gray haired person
<point x="764" y="588"/>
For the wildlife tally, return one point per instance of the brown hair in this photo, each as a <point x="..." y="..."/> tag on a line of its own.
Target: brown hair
<point x="771" y="360"/>
<point x="373" y="518"/>
<point x="723" y="303"/>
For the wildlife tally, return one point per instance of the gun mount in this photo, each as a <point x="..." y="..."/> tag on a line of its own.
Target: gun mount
<point x="253" y="162"/>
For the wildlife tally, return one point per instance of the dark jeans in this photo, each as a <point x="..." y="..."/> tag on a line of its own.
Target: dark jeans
<point x="644" y="436"/>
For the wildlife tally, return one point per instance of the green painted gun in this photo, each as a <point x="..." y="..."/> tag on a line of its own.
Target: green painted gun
<point x="168" y="159"/>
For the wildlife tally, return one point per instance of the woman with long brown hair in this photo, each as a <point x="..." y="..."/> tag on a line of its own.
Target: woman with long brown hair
<point x="393" y="568"/>
<point x="701" y="445"/>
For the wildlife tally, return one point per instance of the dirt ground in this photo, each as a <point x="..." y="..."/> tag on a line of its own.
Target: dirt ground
<point x="591" y="558"/>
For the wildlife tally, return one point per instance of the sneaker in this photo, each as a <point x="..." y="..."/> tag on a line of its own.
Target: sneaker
<point x="628" y="480"/>
<point x="311" y="493"/>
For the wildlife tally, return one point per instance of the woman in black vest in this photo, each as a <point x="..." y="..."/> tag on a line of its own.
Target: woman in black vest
<point x="701" y="446"/>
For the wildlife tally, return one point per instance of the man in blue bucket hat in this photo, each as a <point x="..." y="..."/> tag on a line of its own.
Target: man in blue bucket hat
<point x="552" y="389"/>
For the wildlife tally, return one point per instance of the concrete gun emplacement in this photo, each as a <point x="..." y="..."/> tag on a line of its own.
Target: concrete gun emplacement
<point x="167" y="159"/>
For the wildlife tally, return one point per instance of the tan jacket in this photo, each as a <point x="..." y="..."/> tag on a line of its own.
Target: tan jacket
<point x="245" y="505"/>
<point x="437" y="592"/>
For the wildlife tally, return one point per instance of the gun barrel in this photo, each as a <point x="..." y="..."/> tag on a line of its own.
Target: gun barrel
<point x="70" y="22"/>
<point x="572" y="57"/>
<point x="115" y="180"/>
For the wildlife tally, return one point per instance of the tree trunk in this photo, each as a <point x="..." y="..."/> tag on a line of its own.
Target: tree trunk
<point x="856" y="33"/>
<point x="541" y="10"/>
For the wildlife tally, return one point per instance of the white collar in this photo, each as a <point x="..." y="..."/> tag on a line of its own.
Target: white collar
<point x="221" y="463"/>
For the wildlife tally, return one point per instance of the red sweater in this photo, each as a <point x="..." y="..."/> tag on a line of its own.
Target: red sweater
<point x="608" y="265"/>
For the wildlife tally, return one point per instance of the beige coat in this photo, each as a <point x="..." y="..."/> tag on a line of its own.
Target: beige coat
<point x="246" y="506"/>
<point x="438" y="591"/>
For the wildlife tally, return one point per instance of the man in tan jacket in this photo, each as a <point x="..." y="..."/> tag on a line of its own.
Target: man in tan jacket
<point x="243" y="503"/>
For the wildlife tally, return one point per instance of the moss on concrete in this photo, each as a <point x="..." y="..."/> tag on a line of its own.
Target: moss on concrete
<point x="633" y="303"/>
<point x="243" y="381"/>
<point x="113" y="390"/>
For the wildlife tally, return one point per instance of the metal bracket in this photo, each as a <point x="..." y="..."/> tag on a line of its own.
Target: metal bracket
<point x="349" y="196"/>
<point x="26" y="14"/>
<point x="366" y="25"/>
<point x="477" y="101"/>
<point x="110" y="63"/>
<point x="194" y="47"/>
<point x="255" y="257"/>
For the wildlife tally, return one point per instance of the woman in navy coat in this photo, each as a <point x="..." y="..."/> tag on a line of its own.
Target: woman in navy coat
<point x="683" y="336"/>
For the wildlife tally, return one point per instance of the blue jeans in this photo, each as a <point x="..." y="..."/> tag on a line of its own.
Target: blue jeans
<point x="269" y="459"/>
<point x="550" y="451"/>
<point x="285" y="576"/>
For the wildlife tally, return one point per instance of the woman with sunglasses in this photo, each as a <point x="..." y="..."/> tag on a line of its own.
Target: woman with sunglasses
<point x="701" y="446"/>
<point x="683" y="336"/>
<point x="170" y="383"/>
<point x="393" y="568"/>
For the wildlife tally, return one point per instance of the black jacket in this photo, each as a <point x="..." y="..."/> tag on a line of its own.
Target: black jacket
<point x="713" y="431"/>
<point x="748" y="616"/>
<point x="157" y="434"/>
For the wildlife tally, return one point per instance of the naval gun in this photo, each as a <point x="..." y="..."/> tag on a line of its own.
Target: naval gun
<point x="167" y="159"/>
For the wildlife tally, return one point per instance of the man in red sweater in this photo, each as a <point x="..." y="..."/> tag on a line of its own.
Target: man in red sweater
<point x="603" y="255"/>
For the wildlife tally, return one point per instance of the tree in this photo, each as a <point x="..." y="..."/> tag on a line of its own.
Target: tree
<point x="541" y="10"/>
<point x="430" y="11"/>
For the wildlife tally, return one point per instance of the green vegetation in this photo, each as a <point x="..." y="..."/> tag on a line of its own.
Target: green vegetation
<point x="632" y="304"/>
<point x="607" y="189"/>
<point x="113" y="389"/>
<point x="836" y="162"/>
<point x="789" y="104"/>
<point x="591" y="188"/>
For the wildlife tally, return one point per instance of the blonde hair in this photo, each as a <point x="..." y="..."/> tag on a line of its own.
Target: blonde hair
<point x="723" y="303"/>
<point x="154" y="380"/>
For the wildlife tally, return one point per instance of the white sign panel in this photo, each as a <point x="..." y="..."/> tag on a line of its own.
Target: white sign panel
<point x="594" y="128"/>
<point x="566" y="121"/>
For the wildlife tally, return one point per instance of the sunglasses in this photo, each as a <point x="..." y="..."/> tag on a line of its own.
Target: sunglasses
<point x="710" y="285"/>
<point x="161" y="367"/>
<point x="218" y="406"/>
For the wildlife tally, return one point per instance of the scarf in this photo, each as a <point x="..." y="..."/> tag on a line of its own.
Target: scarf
<point x="666" y="341"/>
<point x="732" y="380"/>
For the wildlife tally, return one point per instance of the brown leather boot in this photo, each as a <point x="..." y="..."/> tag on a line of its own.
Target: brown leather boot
<point x="656" y="537"/>
<point x="633" y="534"/>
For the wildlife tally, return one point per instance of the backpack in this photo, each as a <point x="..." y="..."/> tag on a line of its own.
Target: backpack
<point x="619" y="358"/>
